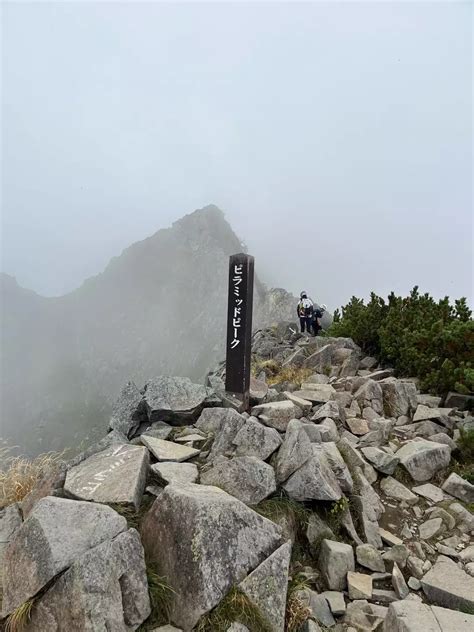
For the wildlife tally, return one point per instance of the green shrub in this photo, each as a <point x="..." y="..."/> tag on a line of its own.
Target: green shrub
<point x="418" y="336"/>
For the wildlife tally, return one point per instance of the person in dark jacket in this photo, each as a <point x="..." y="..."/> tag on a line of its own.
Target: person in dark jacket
<point x="316" y="319"/>
<point x="304" y="310"/>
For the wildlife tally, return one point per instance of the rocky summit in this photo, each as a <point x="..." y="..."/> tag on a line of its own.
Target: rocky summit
<point x="332" y="503"/>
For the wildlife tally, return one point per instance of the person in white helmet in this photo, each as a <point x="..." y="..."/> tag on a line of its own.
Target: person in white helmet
<point x="304" y="310"/>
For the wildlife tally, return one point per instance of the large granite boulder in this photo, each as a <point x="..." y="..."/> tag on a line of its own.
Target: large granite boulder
<point x="422" y="458"/>
<point x="459" y="487"/>
<point x="128" y="411"/>
<point x="164" y="450"/>
<point x="314" y="480"/>
<point x="369" y="395"/>
<point x="336" y="559"/>
<point x="413" y="616"/>
<point x="448" y="585"/>
<point x="246" y="477"/>
<point x="170" y="472"/>
<point x="277" y="414"/>
<point x="255" y="439"/>
<point x="116" y="475"/>
<point x="57" y="532"/>
<point x="399" y="397"/>
<point x="294" y="452"/>
<point x="231" y="423"/>
<point x="175" y="400"/>
<point x="267" y="585"/>
<point x="104" y="589"/>
<point x="204" y="541"/>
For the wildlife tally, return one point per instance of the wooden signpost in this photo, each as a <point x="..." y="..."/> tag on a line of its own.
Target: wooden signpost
<point x="239" y="327"/>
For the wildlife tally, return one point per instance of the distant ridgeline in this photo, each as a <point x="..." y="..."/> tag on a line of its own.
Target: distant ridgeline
<point x="158" y="308"/>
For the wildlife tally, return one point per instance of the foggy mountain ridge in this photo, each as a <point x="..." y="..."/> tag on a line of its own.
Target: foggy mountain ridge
<point x="158" y="308"/>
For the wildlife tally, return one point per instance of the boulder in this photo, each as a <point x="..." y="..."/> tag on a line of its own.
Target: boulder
<point x="57" y="532"/>
<point x="394" y="489"/>
<point x="277" y="414"/>
<point x="364" y="616"/>
<point x="158" y="429"/>
<point x="328" y="430"/>
<point x="258" y="390"/>
<point x="336" y="602"/>
<point x="10" y="522"/>
<point x="246" y="477"/>
<point x="319" y="394"/>
<point x="449" y="586"/>
<point x="429" y="400"/>
<point x="115" y="475"/>
<point x="459" y="487"/>
<point x="381" y="460"/>
<point x="336" y="559"/>
<point x="212" y="420"/>
<point x="320" y="359"/>
<point x="294" y="452"/>
<point x="422" y="459"/>
<point x="357" y="426"/>
<point x="255" y="439"/>
<point x="317" y="606"/>
<point x="338" y="466"/>
<point x="314" y="480"/>
<point x="175" y="400"/>
<point x="170" y="472"/>
<point x="399" y="583"/>
<point x="104" y="589"/>
<point x="223" y="445"/>
<point x="128" y="411"/>
<point x="330" y="409"/>
<point x="423" y="413"/>
<point x="304" y="404"/>
<point x="457" y="400"/>
<point x="369" y="395"/>
<point x="368" y="556"/>
<point x="430" y="528"/>
<point x="429" y="491"/>
<point x="399" y="397"/>
<point x="50" y="483"/>
<point x="359" y="585"/>
<point x="204" y="541"/>
<point x="267" y="585"/>
<point x="168" y="450"/>
<point x="317" y="531"/>
<point x="411" y="616"/>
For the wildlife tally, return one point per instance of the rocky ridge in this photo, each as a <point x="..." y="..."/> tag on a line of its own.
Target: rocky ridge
<point x="330" y="504"/>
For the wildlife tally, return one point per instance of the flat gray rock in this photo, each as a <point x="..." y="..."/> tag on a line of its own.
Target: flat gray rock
<point x="318" y="606"/>
<point x="414" y="616"/>
<point x="314" y="480"/>
<point x="128" y="410"/>
<point x="459" y="487"/>
<point x="168" y="450"/>
<point x="277" y="414"/>
<point x="176" y="400"/>
<point x="170" y="472"/>
<point x="448" y="586"/>
<point x="336" y="559"/>
<point x="369" y="557"/>
<point x="116" y="475"/>
<point x="267" y="585"/>
<point x="204" y="541"/>
<point x="246" y="477"/>
<point x="57" y="532"/>
<point x="255" y="439"/>
<point x="428" y="412"/>
<point x="429" y="491"/>
<point x="422" y="459"/>
<point x="304" y="404"/>
<point x="359" y="585"/>
<point x="319" y="393"/>
<point x="106" y="588"/>
<point x="381" y="460"/>
<point x="394" y="489"/>
<point x="294" y="452"/>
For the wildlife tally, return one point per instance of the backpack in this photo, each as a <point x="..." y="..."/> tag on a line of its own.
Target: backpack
<point x="306" y="307"/>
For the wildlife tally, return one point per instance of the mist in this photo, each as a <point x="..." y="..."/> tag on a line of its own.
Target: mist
<point x="337" y="138"/>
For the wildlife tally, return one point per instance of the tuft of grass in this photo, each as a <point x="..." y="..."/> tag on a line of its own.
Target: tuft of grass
<point x="276" y="373"/>
<point x="161" y="596"/>
<point x="20" y="617"/>
<point x="236" y="606"/>
<point x="297" y="612"/>
<point x="19" y="474"/>
<point x="282" y="506"/>
<point x="402" y="476"/>
<point x="133" y="517"/>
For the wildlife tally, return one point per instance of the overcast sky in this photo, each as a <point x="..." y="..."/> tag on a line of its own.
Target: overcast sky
<point x="337" y="138"/>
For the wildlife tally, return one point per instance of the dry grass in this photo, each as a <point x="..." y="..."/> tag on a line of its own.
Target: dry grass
<point x="19" y="475"/>
<point x="276" y="373"/>
<point x="19" y="618"/>
<point x="296" y="610"/>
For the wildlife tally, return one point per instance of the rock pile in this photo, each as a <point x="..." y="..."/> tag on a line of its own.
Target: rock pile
<point x="329" y="503"/>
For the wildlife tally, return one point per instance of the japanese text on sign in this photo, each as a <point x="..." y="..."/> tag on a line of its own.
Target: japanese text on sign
<point x="238" y="303"/>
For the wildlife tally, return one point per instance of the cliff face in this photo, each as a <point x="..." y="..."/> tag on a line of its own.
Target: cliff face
<point x="160" y="307"/>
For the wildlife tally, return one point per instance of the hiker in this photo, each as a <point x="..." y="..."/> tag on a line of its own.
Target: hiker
<point x="316" y="319"/>
<point x="305" y="312"/>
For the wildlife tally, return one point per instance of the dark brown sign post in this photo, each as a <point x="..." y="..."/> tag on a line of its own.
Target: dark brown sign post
<point x="239" y="327"/>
